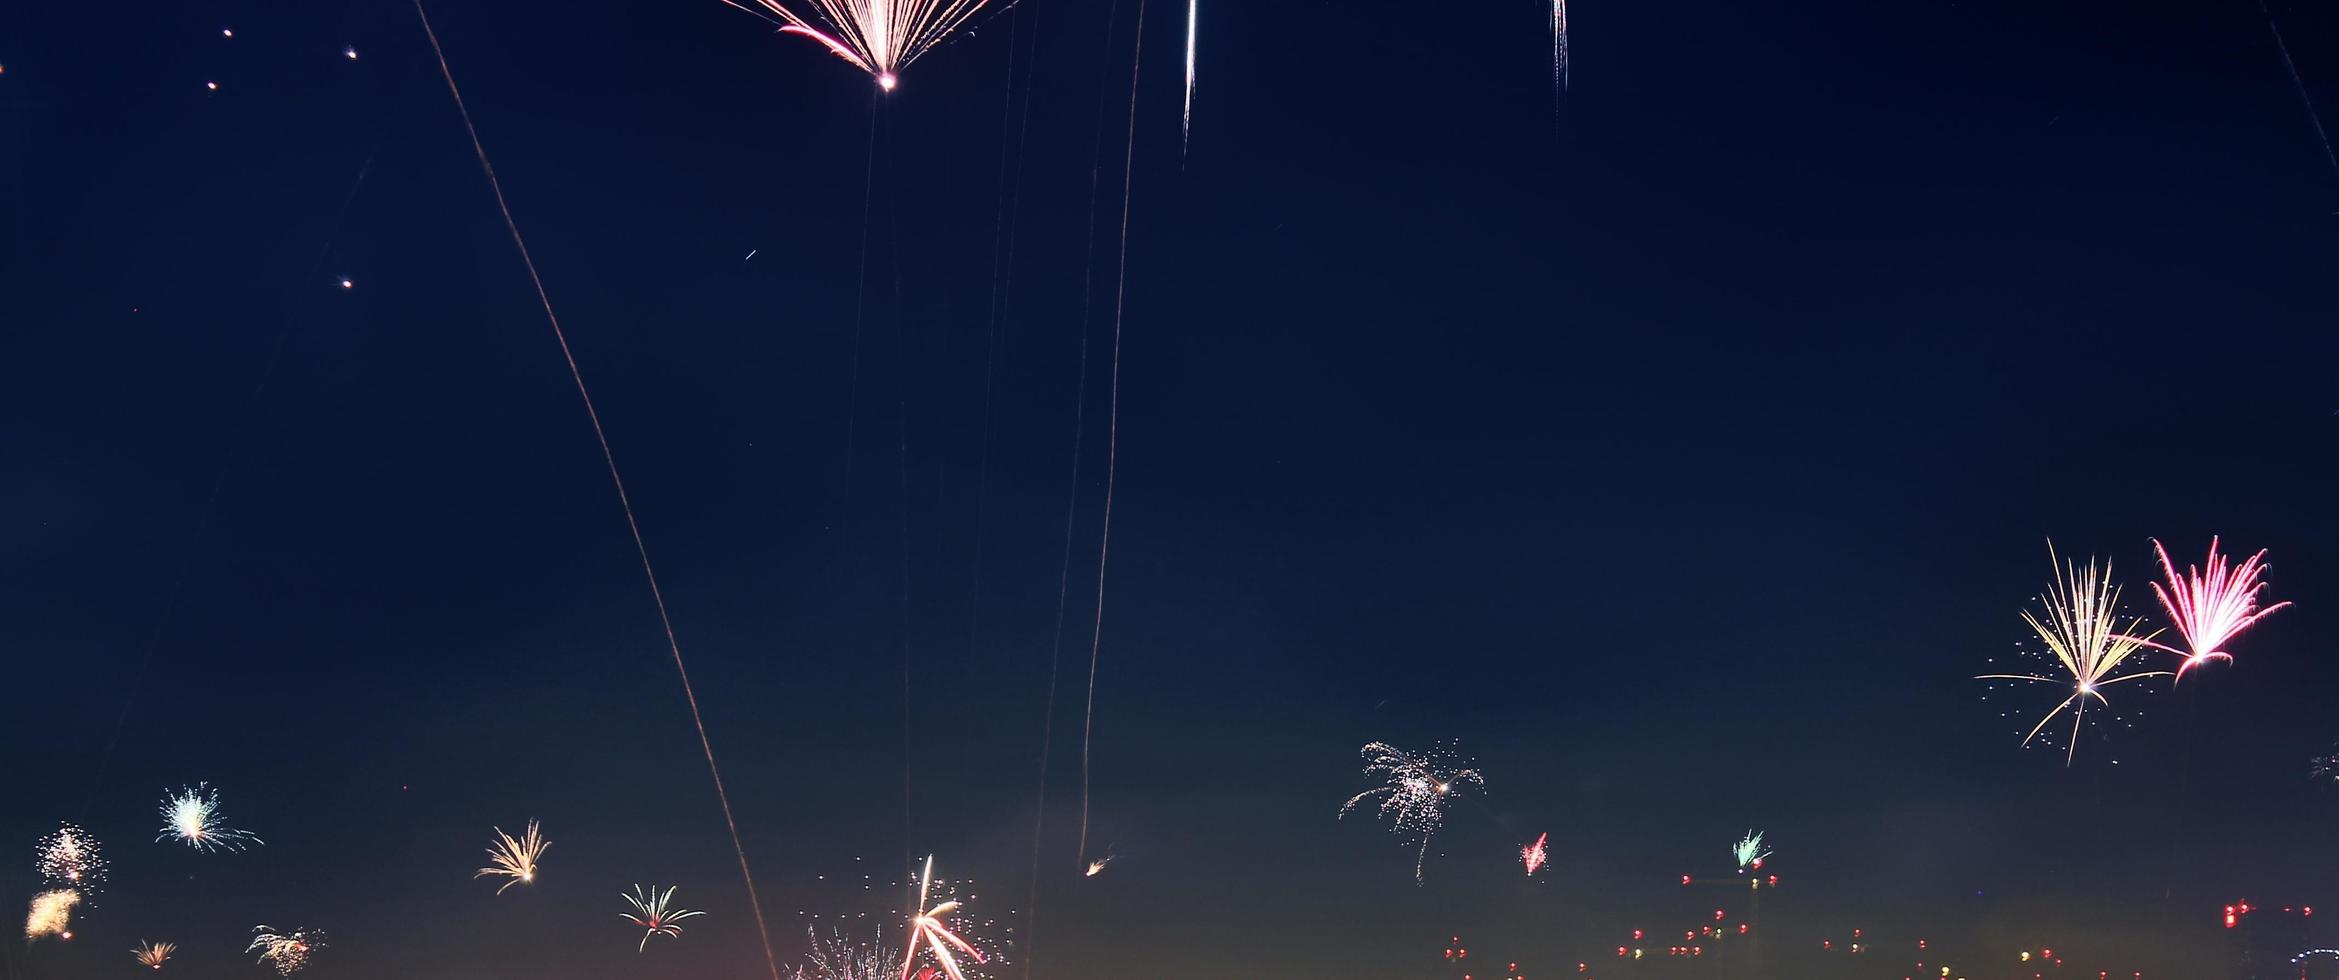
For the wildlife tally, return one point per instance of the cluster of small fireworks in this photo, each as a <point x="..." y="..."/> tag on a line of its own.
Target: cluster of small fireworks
<point x="516" y="859"/>
<point x="880" y="37"/>
<point x="2210" y="606"/>
<point x="926" y="926"/>
<point x="838" y="958"/>
<point x="1416" y="790"/>
<point x="2082" y="628"/>
<point x="1534" y="855"/>
<point x="1749" y="851"/>
<point x="69" y="858"/>
<point x="287" y="952"/>
<point x="51" y="914"/>
<point x="153" y="955"/>
<point x="656" y="914"/>
<point x="192" y="815"/>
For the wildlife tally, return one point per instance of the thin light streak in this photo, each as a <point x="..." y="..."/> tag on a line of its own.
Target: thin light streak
<point x="1186" y="131"/>
<point x="625" y="503"/>
<point x="1113" y="424"/>
<point x="1559" y="53"/>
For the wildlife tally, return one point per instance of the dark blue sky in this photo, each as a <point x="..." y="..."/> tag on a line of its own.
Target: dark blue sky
<point x="1680" y="453"/>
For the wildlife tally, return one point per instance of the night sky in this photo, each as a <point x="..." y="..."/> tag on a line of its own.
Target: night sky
<point x="1679" y="447"/>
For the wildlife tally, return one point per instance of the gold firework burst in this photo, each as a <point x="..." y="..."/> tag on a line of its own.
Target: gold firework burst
<point x="514" y="859"/>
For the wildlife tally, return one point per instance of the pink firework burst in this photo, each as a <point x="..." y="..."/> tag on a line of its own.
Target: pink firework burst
<point x="2212" y="604"/>
<point x="1534" y="855"/>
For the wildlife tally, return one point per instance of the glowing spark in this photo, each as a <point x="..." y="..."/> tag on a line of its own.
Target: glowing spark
<point x="1097" y="866"/>
<point x="838" y="958"/>
<point x="880" y="37"/>
<point x="224" y="32"/>
<point x="927" y="925"/>
<point x="153" y="955"/>
<point x="346" y="283"/>
<point x="51" y="914"/>
<point x="211" y="86"/>
<point x="1749" y="851"/>
<point x="1192" y="10"/>
<point x="288" y="951"/>
<point x="2210" y="607"/>
<point x="1534" y="855"/>
<point x="69" y="859"/>
<point x="2082" y="629"/>
<point x="193" y="816"/>
<point x="1416" y="792"/>
<point x="1559" y="44"/>
<point x="516" y="859"/>
<point x="349" y="53"/>
<point x="656" y="915"/>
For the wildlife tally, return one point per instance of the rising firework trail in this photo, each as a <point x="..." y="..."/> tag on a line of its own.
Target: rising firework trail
<point x="880" y="37"/>
<point x="1559" y="44"/>
<point x="656" y="915"/>
<point x="1193" y="10"/>
<point x="1415" y="791"/>
<point x="192" y="816"/>
<point x="2082" y="629"/>
<point x="2210" y="605"/>
<point x="514" y="859"/>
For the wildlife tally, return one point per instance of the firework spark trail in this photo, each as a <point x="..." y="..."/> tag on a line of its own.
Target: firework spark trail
<point x="2210" y="605"/>
<point x="656" y="915"/>
<point x="1749" y="852"/>
<point x="1415" y="793"/>
<point x="1536" y="854"/>
<point x="1559" y="71"/>
<point x="880" y="37"/>
<point x="51" y="914"/>
<point x="2313" y="116"/>
<point x="2081" y="628"/>
<point x="625" y="503"/>
<point x="153" y="955"/>
<point x="69" y="858"/>
<point x="288" y="952"/>
<point x="927" y="925"/>
<point x="193" y="816"/>
<point x="514" y="859"/>
<point x="1113" y="424"/>
<point x="1186" y="131"/>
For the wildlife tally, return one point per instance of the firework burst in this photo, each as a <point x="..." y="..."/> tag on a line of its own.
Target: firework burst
<point x="515" y="859"/>
<point x="2211" y="605"/>
<point x="287" y="952"/>
<point x="69" y="858"/>
<point x="880" y="37"/>
<point x="657" y="915"/>
<point x="153" y="955"/>
<point x="927" y="925"/>
<point x="192" y="815"/>
<point x="1535" y="855"/>
<point x="838" y="958"/>
<point x="1415" y="792"/>
<point x="51" y="914"/>
<point x="1749" y="851"/>
<point x="2082" y="628"/>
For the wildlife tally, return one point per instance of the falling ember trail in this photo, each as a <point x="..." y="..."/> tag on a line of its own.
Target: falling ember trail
<point x="625" y="503"/>
<point x="1112" y="424"/>
<point x="1559" y="44"/>
<point x="1186" y="131"/>
<point x="2299" y="83"/>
